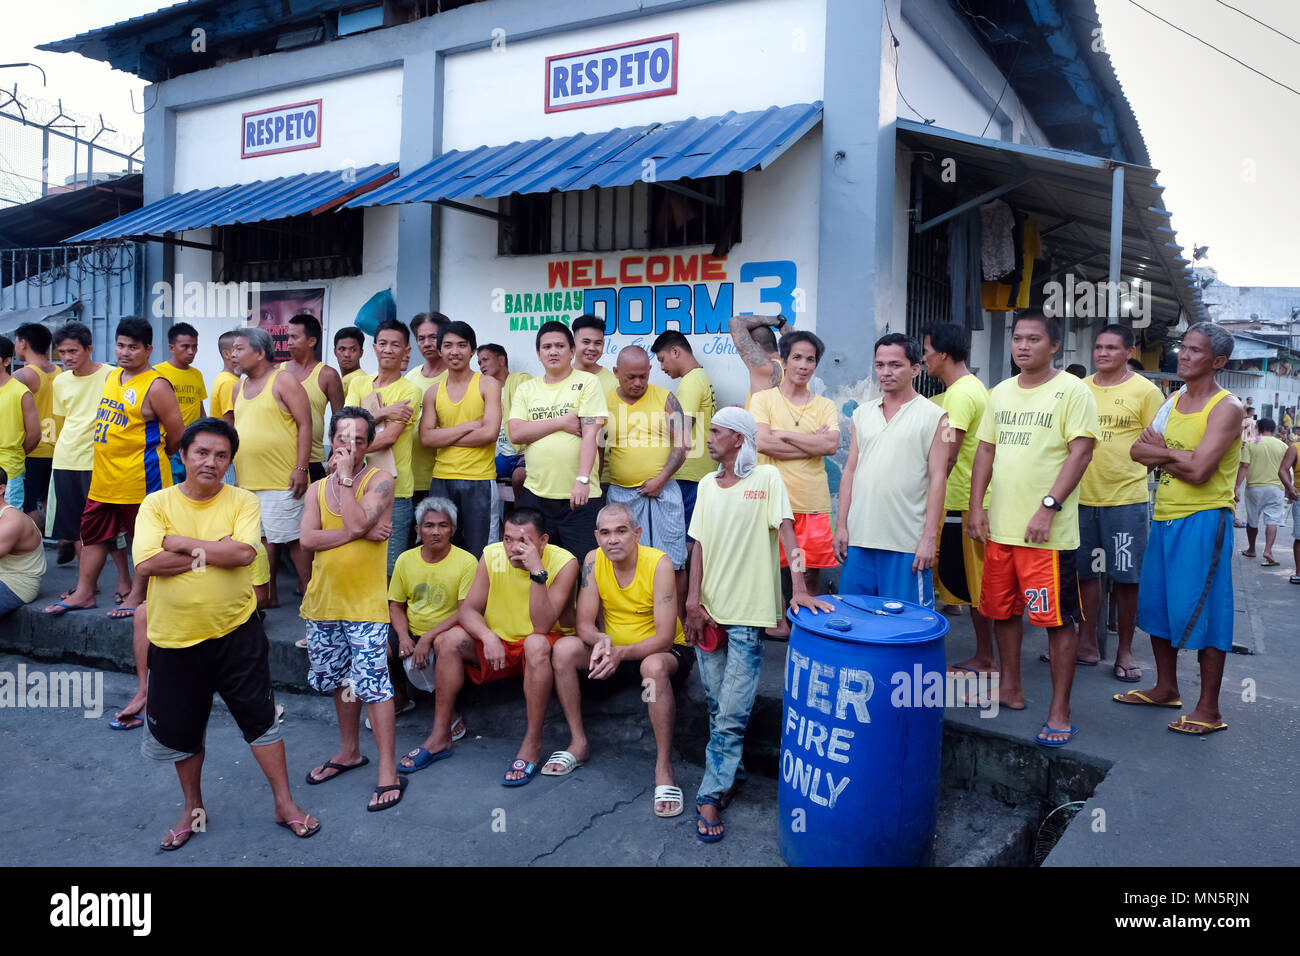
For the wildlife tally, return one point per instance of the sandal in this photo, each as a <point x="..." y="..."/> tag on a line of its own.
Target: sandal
<point x="290" y="824"/>
<point x="400" y="787"/>
<point x="1127" y="674"/>
<point x="666" y="793"/>
<point x="707" y="837"/>
<point x="528" y="769"/>
<point x="1181" y="726"/>
<point x="567" y="761"/>
<point x="331" y="765"/>
<point x="173" y="834"/>
<point x="1143" y="699"/>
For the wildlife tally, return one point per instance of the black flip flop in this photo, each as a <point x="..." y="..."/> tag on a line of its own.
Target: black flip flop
<point x="288" y="825"/>
<point x="400" y="786"/>
<point x="330" y="764"/>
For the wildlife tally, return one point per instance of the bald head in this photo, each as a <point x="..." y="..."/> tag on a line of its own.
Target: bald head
<point x="632" y="369"/>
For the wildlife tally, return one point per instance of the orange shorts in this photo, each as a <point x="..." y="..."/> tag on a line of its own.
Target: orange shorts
<point x="1041" y="580"/>
<point x="813" y="535"/>
<point x="513" y="667"/>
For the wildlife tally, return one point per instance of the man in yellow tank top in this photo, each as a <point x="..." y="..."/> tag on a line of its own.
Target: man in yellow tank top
<point x="346" y="527"/>
<point x="1261" y="461"/>
<point x="633" y="590"/>
<point x="137" y="428"/>
<point x="273" y="417"/>
<point x="461" y="419"/>
<point x="322" y="384"/>
<point x="349" y="346"/>
<point x="187" y="381"/>
<point x="519" y="605"/>
<point x="426" y="327"/>
<point x="1185" y="593"/>
<point x="645" y="444"/>
<point x="32" y="348"/>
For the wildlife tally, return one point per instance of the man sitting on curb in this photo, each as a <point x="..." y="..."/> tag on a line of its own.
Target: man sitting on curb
<point x="635" y="589"/>
<point x="521" y="598"/>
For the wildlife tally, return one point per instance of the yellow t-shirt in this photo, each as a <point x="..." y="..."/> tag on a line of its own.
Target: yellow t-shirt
<point x="12" y="431"/>
<point x="130" y="455"/>
<point x="695" y="395"/>
<point x="44" y="412"/>
<point x="348" y="583"/>
<point x="207" y="602"/>
<point x="506" y="614"/>
<point x="390" y="394"/>
<point x="552" y="461"/>
<point x="964" y="401"/>
<point x="1176" y="498"/>
<point x="431" y="592"/>
<point x="637" y="439"/>
<point x="351" y="377"/>
<point x="504" y="447"/>
<point x="1123" y="411"/>
<point x="1264" y="458"/>
<point x="190" y="390"/>
<point x="221" y="388"/>
<point x="268" y="438"/>
<point x="1031" y="429"/>
<point x="630" y="611"/>
<point x="606" y="378"/>
<point x="423" y="458"/>
<point x="76" y="401"/>
<point x="454" y="461"/>
<point x="260" y="570"/>
<point x="737" y="530"/>
<point x="805" y="478"/>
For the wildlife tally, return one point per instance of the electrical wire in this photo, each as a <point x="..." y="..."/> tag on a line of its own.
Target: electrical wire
<point x="897" y="85"/>
<point x="1285" y="36"/>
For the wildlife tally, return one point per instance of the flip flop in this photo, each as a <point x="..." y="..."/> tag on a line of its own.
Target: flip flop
<point x="117" y="723"/>
<point x="335" y="766"/>
<point x="1180" y="726"/>
<point x="983" y="702"/>
<point x="67" y="608"/>
<point x="290" y="824"/>
<point x="1269" y="563"/>
<point x="400" y="787"/>
<point x="1052" y="730"/>
<point x="121" y="613"/>
<point x="421" y="758"/>
<point x="1124" y="676"/>
<point x="529" y="771"/>
<point x="567" y="761"/>
<point x="1145" y="701"/>
<point x="173" y="834"/>
<point x="962" y="667"/>
<point x="708" y="837"/>
<point x="1248" y="554"/>
<point x="1295" y="579"/>
<point x="1077" y="663"/>
<point x="666" y="793"/>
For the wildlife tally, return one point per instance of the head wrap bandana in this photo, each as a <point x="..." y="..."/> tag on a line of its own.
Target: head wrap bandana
<point x="738" y="420"/>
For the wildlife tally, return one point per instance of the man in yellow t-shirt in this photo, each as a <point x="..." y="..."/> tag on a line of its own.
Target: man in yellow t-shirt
<point x="32" y="348"/>
<point x="796" y="431"/>
<point x="187" y="381"/>
<point x="20" y="425"/>
<point x="644" y="447"/>
<point x="396" y="410"/>
<point x="735" y="588"/>
<point x="205" y="633"/>
<point x="1113" y="508"/>
<point x="959" y="558"/>
<point x="1265" y="501"/>
<point x="557" y="420"/>
<point x="588" y="347"/>
<point x="628" y="633"/>
<point x="494" y="362"/>
<point x="520" y="604"/>
<point x="1036" y="440"/>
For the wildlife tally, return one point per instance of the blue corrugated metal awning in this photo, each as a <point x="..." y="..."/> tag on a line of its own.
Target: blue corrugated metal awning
<point x="249" y="202"/>
<point x="685" y="149"/>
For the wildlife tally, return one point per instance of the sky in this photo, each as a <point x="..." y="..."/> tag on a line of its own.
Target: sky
<point x="1225" y="140"/>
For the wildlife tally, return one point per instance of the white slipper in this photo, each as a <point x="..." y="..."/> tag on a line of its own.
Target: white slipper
<point x="458" y="734"/>
<point x="668" y="794"/>
<point x="566" y="760"/>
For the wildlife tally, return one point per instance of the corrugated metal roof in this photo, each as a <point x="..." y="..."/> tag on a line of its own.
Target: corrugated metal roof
<point x="249" y="202"/>
<point x="685" y="149"/>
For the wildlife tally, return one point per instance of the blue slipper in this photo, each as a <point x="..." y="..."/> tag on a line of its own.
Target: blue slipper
<point x="67" y="608"/>
<point x="529" y="770"/>
<point x="118" y="725"/>
<point x="1052" y="730"/>
<point x="421" y="758"/>
<point x="708" y="837"/>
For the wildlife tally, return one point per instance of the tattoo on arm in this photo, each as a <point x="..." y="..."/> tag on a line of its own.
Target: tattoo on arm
<point x="589" y="421"/>
<point x="776" y="373"/>
<point x="751" y="353"/>
<point x="586" y="572"/>
<point x="668" y="599"/>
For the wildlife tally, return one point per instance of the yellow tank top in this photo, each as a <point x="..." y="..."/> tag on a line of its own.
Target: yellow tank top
<point x="1176" y="498"/>
<point x="130" y="456"/>
<point x="637" y="441"/>
<point x="318" y="401"/>
<point x="454" y="462"/>
<point x="350" y="582"/>
<point x="12" y="458"/>
<point x="422" y="456"/>
<point x="630" y="611"/>
<point x="506" y="613"/>
<point x="45" y="412"/>
<point x="268" y="439"/>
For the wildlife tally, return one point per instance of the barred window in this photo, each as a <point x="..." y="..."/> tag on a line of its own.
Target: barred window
<point x="291" y="250"/>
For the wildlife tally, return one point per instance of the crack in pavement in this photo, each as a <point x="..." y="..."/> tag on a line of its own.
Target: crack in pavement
<point x="594" y="817"/>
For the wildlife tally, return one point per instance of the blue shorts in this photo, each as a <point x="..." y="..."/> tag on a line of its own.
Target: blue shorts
<point x="14" y="492"/>
<point x="351" y="653"/>
<point x="886" y="574"/>
<point x="689" y="489"/>
<point x="506" y="465"/>
<point x="1185" y="594"/>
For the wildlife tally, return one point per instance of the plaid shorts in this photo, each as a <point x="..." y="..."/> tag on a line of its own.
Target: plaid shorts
<point x="351" y="653"/>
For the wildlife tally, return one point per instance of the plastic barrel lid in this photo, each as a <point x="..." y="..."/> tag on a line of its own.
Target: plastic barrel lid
<point x="855" y="621"/>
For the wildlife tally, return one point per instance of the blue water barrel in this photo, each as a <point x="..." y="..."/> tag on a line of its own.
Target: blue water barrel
<point x="862" y="731"/>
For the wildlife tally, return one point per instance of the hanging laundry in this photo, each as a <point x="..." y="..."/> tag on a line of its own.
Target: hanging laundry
<point x="997" y="247"/>
<point x="964" y="270"/>
<point x="1004" y="296"/>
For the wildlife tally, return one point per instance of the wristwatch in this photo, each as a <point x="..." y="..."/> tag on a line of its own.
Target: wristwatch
<point x="584" y="479"/>
<point x="1050" y="502"/>
<point x="541" y="577"/>
<point x="347" y="482"/>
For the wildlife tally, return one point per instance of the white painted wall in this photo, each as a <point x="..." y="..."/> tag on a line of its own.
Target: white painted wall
<point x="360" y="125"/>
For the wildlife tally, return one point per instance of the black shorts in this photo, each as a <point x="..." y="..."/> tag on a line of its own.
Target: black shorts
<point x="36" y="482"/>
<point x="71" y="488"/>
<point x="573" y="529"/>
<point x="628" y="673"/>
<point x="315" y="470"/>
<point x="182" y="681"/>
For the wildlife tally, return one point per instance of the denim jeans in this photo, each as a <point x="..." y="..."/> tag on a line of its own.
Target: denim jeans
<point x="730" y="678"/>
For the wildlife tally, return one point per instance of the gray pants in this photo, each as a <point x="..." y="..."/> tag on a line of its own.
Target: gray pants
<point x="476" y="502"/>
